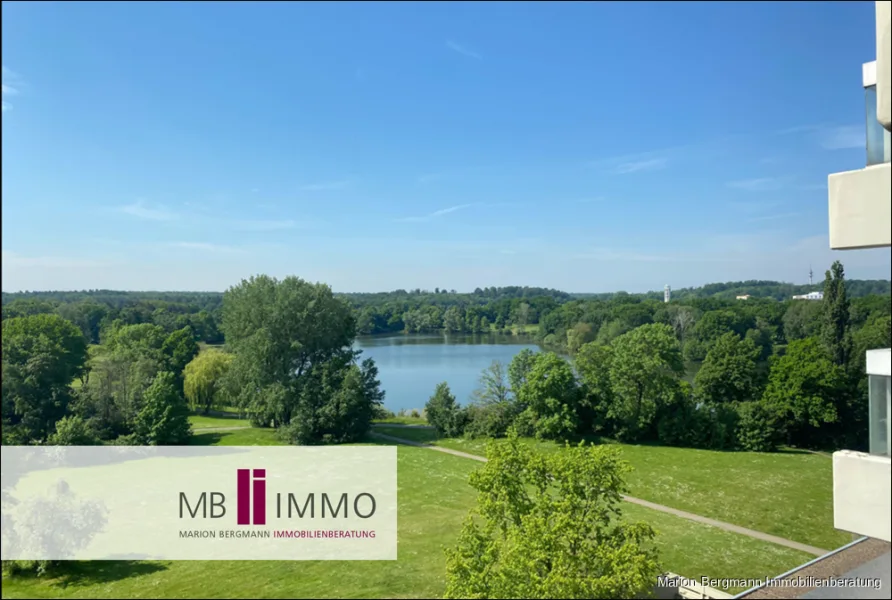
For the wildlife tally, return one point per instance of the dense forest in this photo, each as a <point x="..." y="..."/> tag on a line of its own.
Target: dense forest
<point x="110" y="367"/>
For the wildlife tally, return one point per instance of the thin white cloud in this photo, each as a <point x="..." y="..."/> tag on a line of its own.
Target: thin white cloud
<point x="607" y="254"/>
<point x="638" y="166"/>
<point x="761" y="184"/>
<point x="325" y="185"/>
<point x="831" y="137"/>
<point x="268" y="225"/>
<point x="11" y="84"/>
<point x="841" y="138"/>
<point x="204" y="247"/>
<point x="802" y="129"/>
<point x="776" y="217"/>
<point x="463" y="50"/>
<point x="813" y="186"/>
<point x="436" y="214"/>
<point x="13" y="260"/>
<point x="139" y="210"/>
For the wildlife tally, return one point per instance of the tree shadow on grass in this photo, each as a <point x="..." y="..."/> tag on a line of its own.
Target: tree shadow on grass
<point x="86" y="573"/>
<point x="206" y="439"/>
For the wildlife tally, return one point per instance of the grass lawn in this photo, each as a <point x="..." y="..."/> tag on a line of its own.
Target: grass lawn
<point x="238" y="437"/>
<point x="434" y="499"/>
<point x="418" y="434"/>
<point x="203" y="422"/>
<point x="789" y="494"/>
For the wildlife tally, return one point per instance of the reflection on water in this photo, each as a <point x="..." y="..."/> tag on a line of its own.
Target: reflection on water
<point x="410" y="366"/>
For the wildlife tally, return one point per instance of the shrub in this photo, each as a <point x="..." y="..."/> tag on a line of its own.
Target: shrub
<point x="443" y="413"/>
<point x="489" y="420"/>
<point x="756" y="429"/>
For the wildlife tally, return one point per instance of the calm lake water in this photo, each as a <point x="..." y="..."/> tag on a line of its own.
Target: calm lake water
<point x="411" y="366"/>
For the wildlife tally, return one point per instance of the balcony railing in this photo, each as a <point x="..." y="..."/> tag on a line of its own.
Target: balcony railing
<point x="880" y="385"/>
<point x="879" y="142"/>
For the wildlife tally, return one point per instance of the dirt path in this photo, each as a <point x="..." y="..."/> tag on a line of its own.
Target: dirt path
<point x="402" y="426"/>
<point x="765" y="537"/>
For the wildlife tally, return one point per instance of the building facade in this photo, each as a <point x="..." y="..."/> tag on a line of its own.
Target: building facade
<point x="860" y="216"/>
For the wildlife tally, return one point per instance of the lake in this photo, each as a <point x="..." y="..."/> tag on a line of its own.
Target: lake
<point x="411" y="365"/>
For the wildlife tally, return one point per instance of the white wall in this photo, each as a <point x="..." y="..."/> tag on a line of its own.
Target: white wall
<point x="860" y="208"/>
<point x="862" y="494"/>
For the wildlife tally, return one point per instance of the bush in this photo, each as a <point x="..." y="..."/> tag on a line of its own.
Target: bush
<point x="380" y="413"/>
<point x="525" y="423"/>
<point x="415" y="414"/>
<point x="73" y="431"/>
<point x="443" y="413"/>
<point x="756" y="429"/>
<point x="489" y="420"/>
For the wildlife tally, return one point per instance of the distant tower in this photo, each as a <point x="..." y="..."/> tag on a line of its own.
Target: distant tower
<point x="810" y="276"/>
<point x="667" y="293"/>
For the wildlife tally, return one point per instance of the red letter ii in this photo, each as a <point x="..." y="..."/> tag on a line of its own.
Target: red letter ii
<point x="243" y="496"/>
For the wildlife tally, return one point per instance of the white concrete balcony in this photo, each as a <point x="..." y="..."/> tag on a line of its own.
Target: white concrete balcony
<point x="862" y="483"/>
<point x="860" y="202"/>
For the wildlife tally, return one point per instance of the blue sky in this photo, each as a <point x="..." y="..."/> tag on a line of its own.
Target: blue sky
<point x="582" y="146"/>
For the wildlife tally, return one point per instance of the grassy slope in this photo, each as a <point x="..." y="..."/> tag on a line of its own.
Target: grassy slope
<point x="434" y="499"/>
<point x="789" y="494"/>
<point x="203" y="422"/>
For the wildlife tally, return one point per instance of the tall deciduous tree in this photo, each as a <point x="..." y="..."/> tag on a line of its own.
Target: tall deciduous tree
<point x="551" y="397"/>
<point x="164" y="418"/>
<point x="593" y="366"/>
<point x="205" y="378"/>
<point x="644" y="372"/>
<point x="550" y="526"/>
<point x="279" y="332"/>
<point x="42" y="354"/>
<point x="728" y="373"/>
<point x="835" y="333"/>
<point x="806" y="393"/>
<point x="519" y="368"/>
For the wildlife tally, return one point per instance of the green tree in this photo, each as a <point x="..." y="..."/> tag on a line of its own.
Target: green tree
<point x="73" y="431"/>
<point x="550" y="526"/>
<point x="42" y="354"/>
<point x="443" y="413"/>
<point x="164" y="418"/>
<point x="805" y="394"/>
<point x="519" y="368"/>
<point x="551" y="397"/>
<point x="592" y="363"/>
<point x="453" y="320"/>
<point x="757" y="429"/>
<point x="579" y="334"/>
<point x="338" y="403"/>
<point x="205" y="380"/>
<point x="179" y="348"/>
<point x="493" y="408"/>
<point x="493" y="386"/>
<point x="644" y="372"/>
<point x="835" y="333"/>
<point x="802" y="319"/>
<point x="280" y="331"/>
<point x="729" y="372"/>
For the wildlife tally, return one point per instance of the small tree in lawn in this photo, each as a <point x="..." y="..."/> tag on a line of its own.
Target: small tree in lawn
<point x="443" y="413"/>
<point x="549" y="526"/>
<point x="164" y="418"/>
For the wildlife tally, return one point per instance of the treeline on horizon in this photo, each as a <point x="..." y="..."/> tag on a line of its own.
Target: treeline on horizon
<point x="557" y="318"/>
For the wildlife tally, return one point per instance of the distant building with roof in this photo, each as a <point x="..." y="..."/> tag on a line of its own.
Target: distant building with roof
<point x="810" y="296"/>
